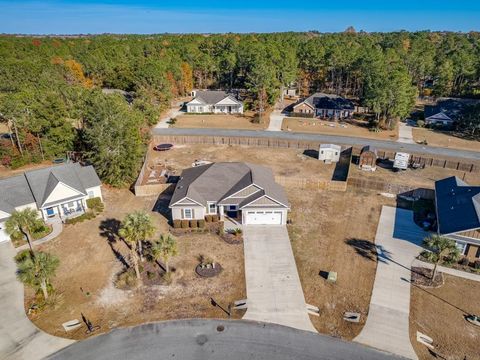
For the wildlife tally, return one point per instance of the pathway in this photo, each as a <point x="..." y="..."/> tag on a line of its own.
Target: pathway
<point x="57" y="228"/>
<point x="274" y="291"/>
<point x="276" y="120"/>
<point x="405" y="134"/>
<point x="172" y="113"/>
<point x="322" y="138"/>
<point x="449" y="271"/>
<point x="397" y="241"/>
<point x="19" y="338"/>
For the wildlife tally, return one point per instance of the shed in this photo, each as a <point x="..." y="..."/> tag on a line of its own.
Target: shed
<point x="329" y="153"/>
<point x="368" y="159"/>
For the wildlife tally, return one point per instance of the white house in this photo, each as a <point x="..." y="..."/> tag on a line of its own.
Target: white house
<point x="329" y="153"/>
<point x="218" y="102"/>
<point x="55" y="192"/>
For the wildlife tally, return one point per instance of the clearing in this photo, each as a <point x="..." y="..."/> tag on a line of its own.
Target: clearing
<point x="219" y="121"/>
<point x="439" y="313"/>
<point x="354" y="128"/>
<point x="444" y="139"/>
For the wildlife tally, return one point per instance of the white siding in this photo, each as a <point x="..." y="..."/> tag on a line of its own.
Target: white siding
<point x="97" y="192"/>
<point x="198" y="212"/>
<point x="62" y="192"/>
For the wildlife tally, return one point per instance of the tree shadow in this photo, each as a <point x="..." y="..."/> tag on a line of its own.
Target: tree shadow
<point x="368" y="250"/>
<point x="109" y="229"/>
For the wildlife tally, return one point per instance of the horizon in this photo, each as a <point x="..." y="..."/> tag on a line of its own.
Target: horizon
<point x="148" y="17"/>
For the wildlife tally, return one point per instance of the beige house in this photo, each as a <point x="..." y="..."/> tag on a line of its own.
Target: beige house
<point x="217" y="102"/>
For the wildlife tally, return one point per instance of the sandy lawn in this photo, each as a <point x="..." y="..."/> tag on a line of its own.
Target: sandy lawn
<point x="218" y="121"/>
<point x="89" y="264"/>
<point x="444" y="139"/>
<point x="439" y="313"/>
<point x="355" y="128"/>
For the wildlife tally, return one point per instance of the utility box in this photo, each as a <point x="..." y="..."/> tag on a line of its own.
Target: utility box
<point x="332" y="277"/>
<point x="329" y="153"/>
<point x="401" y="161"/>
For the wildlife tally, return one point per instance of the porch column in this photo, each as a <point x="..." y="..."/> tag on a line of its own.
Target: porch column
<point x="221" y="212"/>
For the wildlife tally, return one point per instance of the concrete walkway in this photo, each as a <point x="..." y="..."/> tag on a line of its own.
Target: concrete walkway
<point x="274" y="291"/>
<point x="172" y="113"/>
<point x="276" y="120"/>
<point x="447" y="270"/>
<point x="405" y="134"/>
<point x="398" y="242"/>
<point x="19" y="338"/>
<point x="57" y="228"/>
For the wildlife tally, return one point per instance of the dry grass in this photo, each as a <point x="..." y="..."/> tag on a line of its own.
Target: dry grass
<point x="439" y="313"/>
<point x="220" y="122"/>
<point x="355" y="128"/>
<point x="88" y="267"/>
<point x="444" y="139"/>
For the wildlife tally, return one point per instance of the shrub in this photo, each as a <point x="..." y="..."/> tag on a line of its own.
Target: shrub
<point x="193" y="224"/>
<point x="177" y="224"/>
<point x="126" y="279"/>
<point x="476" y="264"/>
<point x="18" y="161"/>
<point x="95" y="204"/>
<point x="420" y="123"/>
<point x="86" y="216"/>
<point x="185" y="224"/>
<point x="215" y="218"/>
<point x="464" y="261"/>
<point x="201" y="224"/>
<point x="208" y="218"/>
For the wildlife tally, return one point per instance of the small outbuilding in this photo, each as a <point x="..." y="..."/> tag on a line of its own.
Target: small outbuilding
<point x="368" y="159"/>
<point x="329" y="153"/>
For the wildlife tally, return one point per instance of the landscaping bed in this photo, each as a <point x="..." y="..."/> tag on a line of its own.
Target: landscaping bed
<point x="423" y="277"/>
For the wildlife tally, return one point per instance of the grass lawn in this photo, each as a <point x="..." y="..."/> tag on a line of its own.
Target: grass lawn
<point x="439" y="312"/>
<point x="444" y="139"/>
<point x="218" y="121"/>
<point x="355" y="128"/>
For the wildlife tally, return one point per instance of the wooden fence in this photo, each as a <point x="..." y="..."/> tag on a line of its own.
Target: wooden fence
<point x="311" y="184"/>
<point x="380" y="186"/>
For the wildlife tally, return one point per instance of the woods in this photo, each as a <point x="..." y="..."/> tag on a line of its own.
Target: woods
<point x="51" y="98"/>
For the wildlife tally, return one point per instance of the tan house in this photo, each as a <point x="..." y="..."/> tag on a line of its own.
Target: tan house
<point x="244" y="192"/>
<point x="326" y="106"/>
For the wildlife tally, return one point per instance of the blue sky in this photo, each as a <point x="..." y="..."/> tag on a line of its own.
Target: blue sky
<point x="182" y="16"/>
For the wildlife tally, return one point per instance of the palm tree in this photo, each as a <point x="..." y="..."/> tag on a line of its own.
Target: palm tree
<point x="130" y="237"/>
<point x="164" y="248"/>
<point x="23" y="222"/>
<point x="36" y="270"/>
<point x="141" y="224"/>
<point x="440" y="247"/>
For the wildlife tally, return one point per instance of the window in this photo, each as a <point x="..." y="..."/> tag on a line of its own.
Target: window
<point x="321" y="152"/>
<point x="462" y="247"/>
<point x="212" y="208"/>
<point x="91" y="194"/>
<point x="187" y="213"/>
<point x="71" y="204"/>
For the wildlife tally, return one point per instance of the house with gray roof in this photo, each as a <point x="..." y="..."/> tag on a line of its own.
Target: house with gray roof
<point x="56" y="192"/>
<point x="243" y="192"/>
<point x="457" y="206"/>
<point x="218" y="102"/>
<point x="447" y="111"/>
<point x="322" y="105"/>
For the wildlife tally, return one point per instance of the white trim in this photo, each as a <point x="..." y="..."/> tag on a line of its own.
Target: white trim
<point x="245" y="188"/>
<point x="71" y="188"/>
<point x="184" y="216"/>
<point x="268" y="197"/>
<point x="208" y="207"/>
<point x="186" y="197"/>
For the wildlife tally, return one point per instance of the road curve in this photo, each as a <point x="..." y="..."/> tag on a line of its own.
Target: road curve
<point x="344" y="140"/>
<point x="216" y="339"/>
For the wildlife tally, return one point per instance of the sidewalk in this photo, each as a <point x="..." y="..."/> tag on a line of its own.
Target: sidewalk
<point x="447" y="270"/>
<point x="57" y="228"/>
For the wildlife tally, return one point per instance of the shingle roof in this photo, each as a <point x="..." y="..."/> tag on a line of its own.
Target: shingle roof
<point x="329" y="101"/>
<point x="14" y="191"/>
<point x="458" y="205"/>
<point x="211" y="97"/>
<point x="215" y="182"/>
<point x="453" y="108"/>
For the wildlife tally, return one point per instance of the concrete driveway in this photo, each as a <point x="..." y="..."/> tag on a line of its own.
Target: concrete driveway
<point x="19" y="338"/>
<point x="276" y="120"/>
<point x="274" y="291"/>
<point x="398" y="242"/>
<point x="405" y="134"/>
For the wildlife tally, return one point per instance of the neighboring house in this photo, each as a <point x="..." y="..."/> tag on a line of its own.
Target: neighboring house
<point x="325" y="106"/>
<point x="368" y="159"/>
<point x="214" y="102"/>
<point x="244" y="192"/>
<point x="446" y="111"/>
<point x="57" y="191"/>
<point x="458" y="214"/>
<point x="329" y="153"/>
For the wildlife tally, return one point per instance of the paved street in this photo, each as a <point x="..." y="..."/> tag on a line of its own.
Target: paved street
<point x="341" y="140"/>
<point x="274" y="291"/>
<point x="217" y="340"/>
<point x="397" y="241"/>
<point x="19" y="338"/>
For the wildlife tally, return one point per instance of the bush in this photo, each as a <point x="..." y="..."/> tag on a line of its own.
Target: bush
<point x="215" y="218"/>
<point x="193" y="224"/>
<point x="464" y="261"/>
<point x="126" y="279"/>
<point x="420" y="123"/>
<point x="86" y="216"/>
<point x="95" y="204"/>
<point x="201" y="224"/>
<point x="476" y="264"/>
<point x="18" y="161"/>
<point x="184" y="224"/>
<point x="177" y="224"/>
<point x="208" y="218"/>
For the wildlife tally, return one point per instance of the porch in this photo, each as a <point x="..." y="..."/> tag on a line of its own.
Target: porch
<point x="65" y="210"/>
<point x="227" y="109"/>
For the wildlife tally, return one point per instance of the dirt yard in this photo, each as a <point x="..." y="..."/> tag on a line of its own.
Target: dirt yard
<point x="355" y="128"/>
<point x="444" y="139"/>
<point x="220" y="122"/>
<point x="439" y="314"/>
<point x="84" y="281"/>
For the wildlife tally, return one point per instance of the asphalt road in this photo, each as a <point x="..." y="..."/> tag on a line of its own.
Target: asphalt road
<point x="217" y="339"/>
<point x="344" y="140"/>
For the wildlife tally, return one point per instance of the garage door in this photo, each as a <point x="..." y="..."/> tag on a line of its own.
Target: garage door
<point x="263" y="218"/>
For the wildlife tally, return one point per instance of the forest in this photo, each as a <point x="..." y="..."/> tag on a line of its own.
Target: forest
<point x="51" y="95"/>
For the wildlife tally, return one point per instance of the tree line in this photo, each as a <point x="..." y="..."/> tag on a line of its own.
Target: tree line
<point x="51" y="88"/>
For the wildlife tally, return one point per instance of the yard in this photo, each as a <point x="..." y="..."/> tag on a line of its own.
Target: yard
<point x="444" y="139"/>
<point x="355" y="128"/>
<point x="439" y="314"/>
<point x="89" y="254"/>
<point x="219" y="121"/>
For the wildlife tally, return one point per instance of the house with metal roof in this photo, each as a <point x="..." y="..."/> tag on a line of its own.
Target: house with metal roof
<point x="242" y="192"/>
<point x="322" y="105"/>
<point x="56" y="192"/>
<point x="218" y="102"/>
<point x="458" y="214"/>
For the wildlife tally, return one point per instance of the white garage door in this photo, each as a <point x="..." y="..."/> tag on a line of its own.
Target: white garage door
<point x="263" y="218"/>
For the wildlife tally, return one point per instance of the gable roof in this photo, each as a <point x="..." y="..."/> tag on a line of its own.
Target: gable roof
<point x="14" y="192"/>
<point x="457" y="204"/>
<point x="328" y="101"/>
<point x="450" y="107"/>
<point x="212" y="97"/>
<point x="217" y="181"/>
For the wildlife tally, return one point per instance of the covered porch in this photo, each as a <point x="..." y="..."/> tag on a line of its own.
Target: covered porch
<point x="64" y="210"/>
